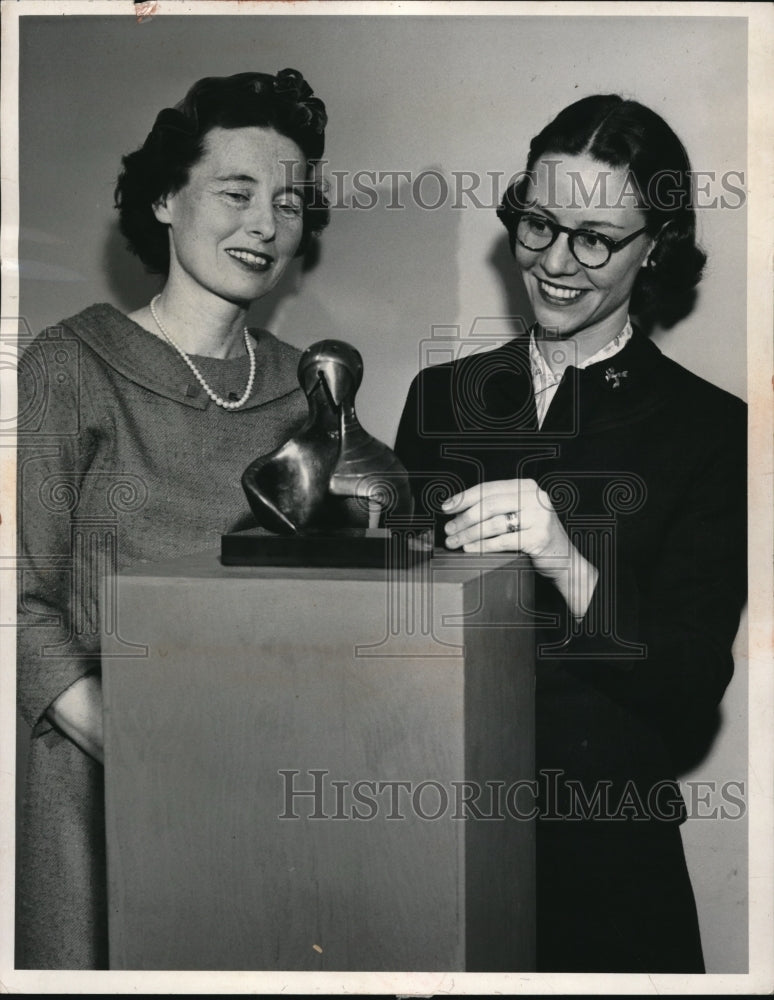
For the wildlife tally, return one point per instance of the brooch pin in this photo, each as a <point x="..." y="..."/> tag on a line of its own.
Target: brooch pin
<point x="615" y="377"/>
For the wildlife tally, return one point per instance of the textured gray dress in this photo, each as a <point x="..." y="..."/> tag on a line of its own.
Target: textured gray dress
<point x="122" y="459"/>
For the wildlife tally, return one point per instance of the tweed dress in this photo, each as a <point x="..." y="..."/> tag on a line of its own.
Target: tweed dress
<point x="122" y="460"/>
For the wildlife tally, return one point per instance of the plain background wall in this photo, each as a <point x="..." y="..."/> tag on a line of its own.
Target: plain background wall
<point x="449" y="94"/>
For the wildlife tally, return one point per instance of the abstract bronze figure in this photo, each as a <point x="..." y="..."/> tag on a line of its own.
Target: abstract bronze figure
<point x="332" y="473"/>
<point x="331" y="480"/>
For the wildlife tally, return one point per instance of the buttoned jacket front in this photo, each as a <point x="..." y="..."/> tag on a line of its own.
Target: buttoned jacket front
<point x="645" y="465"/>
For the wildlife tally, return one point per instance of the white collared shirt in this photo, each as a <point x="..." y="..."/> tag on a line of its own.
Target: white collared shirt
<point x="545" y="382"/>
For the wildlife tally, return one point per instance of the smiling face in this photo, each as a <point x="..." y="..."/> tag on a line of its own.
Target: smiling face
<point x="237" y="223"/>
<point x="567" y="298"/>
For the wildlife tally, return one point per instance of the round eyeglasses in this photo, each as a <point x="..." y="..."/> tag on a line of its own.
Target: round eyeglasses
<point x="590" y="248"/>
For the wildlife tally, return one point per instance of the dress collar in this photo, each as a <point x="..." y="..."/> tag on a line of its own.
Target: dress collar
<point x="150" y="362"/>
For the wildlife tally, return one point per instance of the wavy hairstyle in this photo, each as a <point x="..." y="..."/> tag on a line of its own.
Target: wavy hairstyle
<point x="624" y="133"/>
<point x="161" y="166"/>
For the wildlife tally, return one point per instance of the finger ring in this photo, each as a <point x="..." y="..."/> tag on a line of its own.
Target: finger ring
<point x="513" y="520"/>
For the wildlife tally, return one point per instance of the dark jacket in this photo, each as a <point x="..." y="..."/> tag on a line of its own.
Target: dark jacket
<point x="646" y="466"/>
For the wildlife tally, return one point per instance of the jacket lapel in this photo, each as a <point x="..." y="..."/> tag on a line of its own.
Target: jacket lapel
<point x="498" y="384"/>
<point x="611" y="393"/>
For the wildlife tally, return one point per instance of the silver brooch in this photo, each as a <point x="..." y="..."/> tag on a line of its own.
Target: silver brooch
<point x="615" y="377"/>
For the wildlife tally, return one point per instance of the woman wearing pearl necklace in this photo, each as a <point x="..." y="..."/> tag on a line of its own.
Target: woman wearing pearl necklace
<point x="139" y="429"/>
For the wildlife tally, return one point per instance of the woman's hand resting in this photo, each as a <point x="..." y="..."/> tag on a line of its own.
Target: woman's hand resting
<point x="515" y="515"/>
<point x="77" y="712"/>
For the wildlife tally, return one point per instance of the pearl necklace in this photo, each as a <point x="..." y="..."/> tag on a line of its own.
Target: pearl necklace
<point x="199" y="377"/>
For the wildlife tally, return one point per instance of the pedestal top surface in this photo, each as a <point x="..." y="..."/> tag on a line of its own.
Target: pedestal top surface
<point x="445" y="566"/>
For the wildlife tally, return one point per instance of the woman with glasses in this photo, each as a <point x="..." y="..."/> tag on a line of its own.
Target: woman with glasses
<point x="622" y="477"/>
<point x="165" y="409"/>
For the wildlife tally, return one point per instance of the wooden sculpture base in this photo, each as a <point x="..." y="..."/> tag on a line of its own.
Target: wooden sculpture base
<point x="369" y="548"/>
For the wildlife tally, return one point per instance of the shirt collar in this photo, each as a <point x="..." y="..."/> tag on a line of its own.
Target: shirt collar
<point x="542" y="375"/>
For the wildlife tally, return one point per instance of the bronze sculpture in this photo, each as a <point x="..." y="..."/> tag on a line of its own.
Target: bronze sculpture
<point x="321" y="491"/>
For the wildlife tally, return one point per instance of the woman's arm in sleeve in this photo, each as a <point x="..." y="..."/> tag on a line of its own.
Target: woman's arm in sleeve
<point x="57" y="628"/>
<point x="408" y="442"/>
<point x="426" y="425"/>
<point x="685" y="611"/>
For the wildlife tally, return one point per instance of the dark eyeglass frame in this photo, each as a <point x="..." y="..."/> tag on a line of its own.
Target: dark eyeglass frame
<point x="609" y="244"/>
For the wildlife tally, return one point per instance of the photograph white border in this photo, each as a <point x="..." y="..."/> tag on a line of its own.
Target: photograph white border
<point x="760" y="359"/>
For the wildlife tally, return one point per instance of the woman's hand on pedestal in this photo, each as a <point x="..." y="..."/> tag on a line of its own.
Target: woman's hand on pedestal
<point x="515" y="515"/>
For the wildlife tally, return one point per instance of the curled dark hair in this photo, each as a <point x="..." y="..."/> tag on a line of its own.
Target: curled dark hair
<point x="161" y="166"/>
<point x="623" y="133"/>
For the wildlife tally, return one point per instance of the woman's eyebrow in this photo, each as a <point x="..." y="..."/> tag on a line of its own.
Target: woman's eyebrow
<point x="585" y="223"/>
<point x="597" y="223"/>
<point x="297" y="189"/>
<point x="236" y="177"/>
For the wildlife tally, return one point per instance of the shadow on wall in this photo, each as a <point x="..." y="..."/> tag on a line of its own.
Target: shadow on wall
<point x="670" y="314"/>
<point x="130" y="284"/>
<point x="501" y="259"/>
